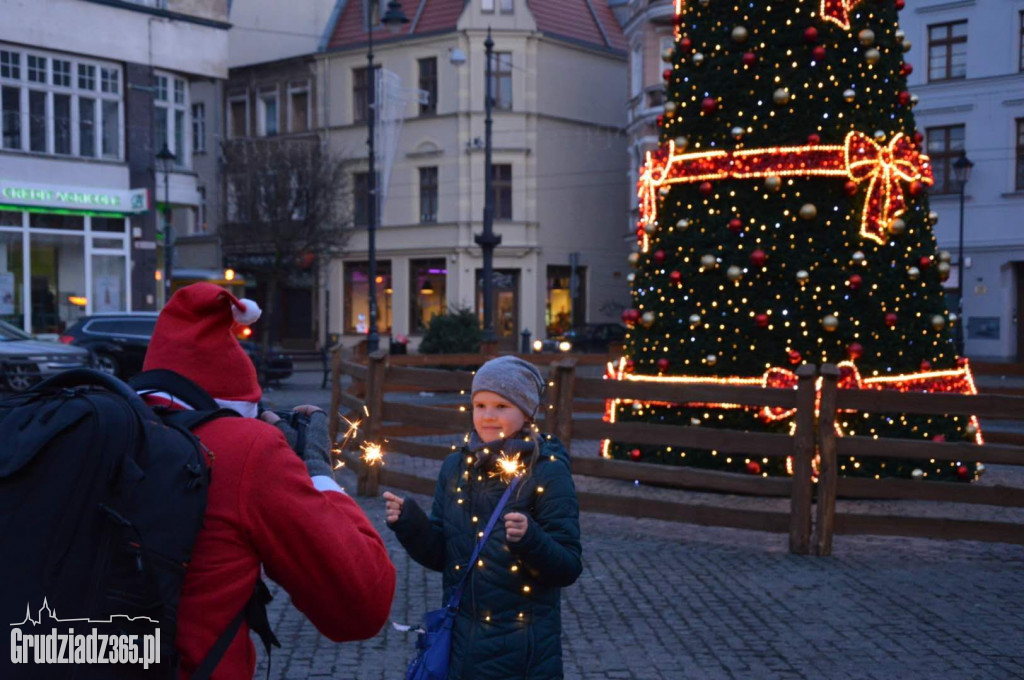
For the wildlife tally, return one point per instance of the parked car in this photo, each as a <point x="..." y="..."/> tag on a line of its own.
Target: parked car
<point x="592" y="337"/>
<point x="24" y="360"/>
<point x="119" y="342"/>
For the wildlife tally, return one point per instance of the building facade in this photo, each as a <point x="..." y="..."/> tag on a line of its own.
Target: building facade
<point x="968" y="60"/>
<point x="559" y="71"/>
<point x="90" y="91"/>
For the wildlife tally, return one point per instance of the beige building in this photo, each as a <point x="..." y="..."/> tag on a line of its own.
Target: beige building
<point x="558" y="148"/>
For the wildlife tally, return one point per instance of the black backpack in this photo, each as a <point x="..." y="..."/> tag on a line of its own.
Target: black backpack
<point x="101" y="498"/>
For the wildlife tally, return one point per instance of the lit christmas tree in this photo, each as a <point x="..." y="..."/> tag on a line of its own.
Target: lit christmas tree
<point x="785" y="220"/>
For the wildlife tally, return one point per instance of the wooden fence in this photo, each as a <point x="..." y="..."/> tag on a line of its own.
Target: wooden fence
<point x="811" y="521"/>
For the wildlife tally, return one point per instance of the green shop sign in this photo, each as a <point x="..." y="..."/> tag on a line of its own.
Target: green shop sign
<point x="74" y="198"/>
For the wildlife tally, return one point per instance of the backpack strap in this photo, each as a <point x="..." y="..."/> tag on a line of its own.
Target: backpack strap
<point x="190" y="420"/>
<point x="164" y="380"/>
<point x="255" y="614"/>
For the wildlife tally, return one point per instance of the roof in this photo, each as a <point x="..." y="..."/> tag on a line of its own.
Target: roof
<point x="589" y="22"/>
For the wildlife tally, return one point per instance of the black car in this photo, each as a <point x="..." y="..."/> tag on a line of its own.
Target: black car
<point x="25" y="360"/>
<point x="119" y="342"/>
<point x="592" y="337"/>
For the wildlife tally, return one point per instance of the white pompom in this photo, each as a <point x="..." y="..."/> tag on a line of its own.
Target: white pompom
<point x="249" y="315"/>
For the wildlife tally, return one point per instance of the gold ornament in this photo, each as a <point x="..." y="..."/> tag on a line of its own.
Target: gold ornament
<point x="711" y="359"/>
<point x="647" y="319"/>
<point x="773" y="183"/>
<point x="849" y="94"/>
<point x="737" y="133"/>
<point x="879" y="135"/>
<point x="830" y="323"/>
<point x="803" y="276"/>
<point x="698" y="58"/>
<point x="906" y="45"/>
<point x="650" y="228"/>
<point x="781" y="96"/>
<point x="858" y="257"/>
<point x="694" y="422"/>
<point x="872" y="56"/>
<point x="897" y="226"/>
<point x="681" y="143"/>
<point x="683" y="224"/>
<point x="670" y="107"/>
<point x="938" y="322"/>
<point x="945" y="256"/>
<point x="914" y="100"/>
<point x="933" y="217"/>
<point x="972" y="430"/>
<point x="917" y="473"/>
<point x="808" y="211"/>
<point x="866" y="37"/>
<point x="980" y="467"/>
<point x="695" y="319"/>
<point x="734" y="273"/>
<point x="952" y="317"/>
<point x="913" y="273"/>
<point x="740" y="34"/>
<point x="943" y="269"/>
<point x="900" y="35"/>
<point x="708" y="261"/>
<point x="667" y="54"/>
<point x="664" y="191"/>
<point x="633" y="259"/>
<point x="631" y="277"/>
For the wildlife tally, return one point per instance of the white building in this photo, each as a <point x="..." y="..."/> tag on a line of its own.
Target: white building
<point x="968" y="60"/>
<point x="90" y="91"/>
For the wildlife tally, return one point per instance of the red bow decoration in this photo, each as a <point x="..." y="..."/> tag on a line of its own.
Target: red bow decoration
<point x="838" y="11"/>
<point x="883" y="168"/>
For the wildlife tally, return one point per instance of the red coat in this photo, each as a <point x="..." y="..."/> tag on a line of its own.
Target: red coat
<point x="262" y="509"/>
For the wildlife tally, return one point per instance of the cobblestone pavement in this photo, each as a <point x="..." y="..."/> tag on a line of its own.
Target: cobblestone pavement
<point x="660" y="600"/>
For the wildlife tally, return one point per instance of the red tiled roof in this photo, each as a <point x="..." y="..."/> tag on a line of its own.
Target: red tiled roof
<point x="573" y="19"/>
<point x="434" y="16"/>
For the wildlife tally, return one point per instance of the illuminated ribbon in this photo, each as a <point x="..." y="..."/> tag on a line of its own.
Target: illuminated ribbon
<point x="836" y="11"/>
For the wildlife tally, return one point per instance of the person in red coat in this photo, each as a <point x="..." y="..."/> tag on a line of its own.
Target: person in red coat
<point x="267" y="507"/>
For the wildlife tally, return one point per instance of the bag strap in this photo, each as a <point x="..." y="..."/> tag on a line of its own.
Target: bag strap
<point x="190" y="420"/>
<point x="456" y="598"/>
<point x="255" y="612"/>
<point x="164" y="380"/>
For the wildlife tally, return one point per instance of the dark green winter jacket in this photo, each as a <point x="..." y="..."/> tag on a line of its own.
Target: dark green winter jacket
<point x="509" y="624"/>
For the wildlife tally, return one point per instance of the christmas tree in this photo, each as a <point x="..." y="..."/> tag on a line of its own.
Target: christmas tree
<point x="785" y="220"/>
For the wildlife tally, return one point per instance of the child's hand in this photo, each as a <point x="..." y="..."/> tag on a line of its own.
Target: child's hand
<point x="515" y="526"/>
<point x="392" y="507"/>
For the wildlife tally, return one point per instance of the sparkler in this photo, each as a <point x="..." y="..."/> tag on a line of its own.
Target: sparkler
<point x="373" y="454"/>
<point x="508" y="467"/>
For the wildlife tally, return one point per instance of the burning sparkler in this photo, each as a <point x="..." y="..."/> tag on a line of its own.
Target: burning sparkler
<point x="508" y="467"/>
<point x="373" y="454"/>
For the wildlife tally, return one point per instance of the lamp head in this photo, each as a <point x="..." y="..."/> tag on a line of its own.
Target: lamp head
<point x="394" y="17"/>
<point x="962" y="168"/>
<point x="165" y="159"/>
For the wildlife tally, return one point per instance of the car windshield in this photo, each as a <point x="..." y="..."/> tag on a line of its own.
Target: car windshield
<point x="10" y="333"/>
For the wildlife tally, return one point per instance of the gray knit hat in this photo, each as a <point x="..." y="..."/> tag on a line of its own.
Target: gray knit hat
<point x="514" y="379"/>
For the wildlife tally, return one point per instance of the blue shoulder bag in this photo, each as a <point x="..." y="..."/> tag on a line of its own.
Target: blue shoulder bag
<point x="434" y="643"/>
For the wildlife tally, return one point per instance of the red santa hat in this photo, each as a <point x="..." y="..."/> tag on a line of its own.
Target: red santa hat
<point x="193" y="337"/>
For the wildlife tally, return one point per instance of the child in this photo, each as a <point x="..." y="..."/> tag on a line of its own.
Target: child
<point x="509" y="622"/>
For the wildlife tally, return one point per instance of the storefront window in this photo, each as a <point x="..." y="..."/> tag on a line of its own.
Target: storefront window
<point x="357" y="297"/>
<point x="428" y="294"/>
<point x="12" y="270"/>
<point x="49" y="221"/>
<point x="57" y="268"/>
<point x="108" y="283"/>
<point x="564" y="310"/>
<point x="114" y="224"/>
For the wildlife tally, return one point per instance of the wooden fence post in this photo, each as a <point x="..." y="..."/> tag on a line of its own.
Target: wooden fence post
<point x="369" y="475"/>
<point x="563" y="374"/>
<point x="803" y="452"/>
<point x="828" y="470"/>
<point x="333" y="417"/>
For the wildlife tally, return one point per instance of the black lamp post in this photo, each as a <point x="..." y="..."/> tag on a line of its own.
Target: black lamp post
<point x="488" y="240"/>
<point x="165" y="161"/>
<point x="961" y="172"/>
<point x="393" y="19"/>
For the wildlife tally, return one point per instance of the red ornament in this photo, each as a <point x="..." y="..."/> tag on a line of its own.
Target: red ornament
<point x="918" y="137"/>
<point x="635" y="454"/>
<point x="706" y="188"/>
<point x="916" y="187"/>
<point x="660" y="121"/>
<point x="630" y="316"/>
<point x="663" y="364"/>
<point x="675" y="277"/>
<point x="900" y="4"/>
<point x="939" y="438"/>
<point x="855" y="350"/>
<point x="659" y="257"/>
<point x="850" y="188"/>
<point x="962" y="472"/>
<point x="926" y="365"/>
<point x="753" y="467"/>
<point x="925" y="262"/>
<point x="630" y="365"/>
<point x="709" y="105"/>
<point x="891" y="319"/>
<point x="818" y="53"/>
<point x="749" y="58"/>
<point x="855" y="282"/>
<point x="758" y="258"/>
<point x="795" y="357"/>
<point x="903" y="97"/>
<point x="907" y="68"/>
<point x="685" y="44"/>
<point x="735" y="224"/>
<point x="811" y="35"/>
<point x="666" y="74"/>
<point x="761" y="320"/>
<point x="814" y="138"/>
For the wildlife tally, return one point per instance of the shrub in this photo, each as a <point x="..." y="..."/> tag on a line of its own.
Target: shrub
<point x="455" y="332"/>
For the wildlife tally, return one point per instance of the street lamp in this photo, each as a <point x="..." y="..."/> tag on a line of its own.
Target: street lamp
<point x="961" y="172"/>
<point x="165" y="162"/>
<point x="488" y="240"/>
<point x="393" y="19"/>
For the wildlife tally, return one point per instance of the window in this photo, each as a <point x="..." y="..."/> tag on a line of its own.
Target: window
<point x="362" y="94"/>
<point x="37" y="121"/>
<point x="506" y="6"/>
<point x="361" y="198"/>
<point x="298" y="108"/>
<point x="87" y="127"/>
<point x="109" y="80"/>
<point x="428" y="195"/>
<point x="565" y="299"/>
<point x="429" y="296"/>
<point x="1020" y="42"/>
<point x="10" y="65"/>
<point x="86" y="77"/>
<point x="36" y="69"/>
<point x="238" y="120"/>
<point x="1019" y="185"/>
<point x="62" y="124"/>
<point x="428" y="83"/>
<point x="267" y="113"/>
<point x="357" y="297"/>
<point x="171" y="105"/>
<point x="944" y="146"/>
<point x="10" y="104"/>
<point x="947" y="51"/>
<point x="62" y="72"/>
<point x="501" y="81"/>
<point x="636" y="64"/>
<point x="486" y="5"/>
<point x="501" y="184"/>
<point x="198" y="128"/>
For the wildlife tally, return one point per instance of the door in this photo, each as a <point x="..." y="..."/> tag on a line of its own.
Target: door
<point x="505" y="303"/>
